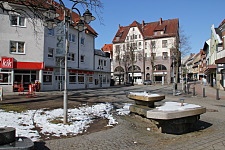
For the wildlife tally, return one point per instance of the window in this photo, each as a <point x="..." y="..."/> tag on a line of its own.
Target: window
<point x="50" y="52"/>
<point x="90" y="79"/>
<point x="17" y="21"/>
<point x="139" y="36"/>
<point x="164" y="55"/>
<point x="47" y="77"/>
<point x="82" y="58"/>
<point x="71" y="37"/>
<point x="71" y="56"/>
<point x="152" y="44"/>
<point x="139" y="43"/>
<point x="164" y="43"/>
<point x="145" y="45"/>
<point x="81" y="78"/>
<point x="104" y="62"/>
<point x="153" y="55"/>
<point x="160" y="67"/>
<point x="127" y="37"/>
<point x="17" y="47"/>
<point x="135" y="36"/>
<point x="5" y="78"/>
<point x="51" y="32"/>
<point x="82" y="41"/>
<point x="72" y="78"/>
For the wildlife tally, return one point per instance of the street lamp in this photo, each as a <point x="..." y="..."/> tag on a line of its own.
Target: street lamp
<point x="174" y="80"/>
<point x="80" y="26"/>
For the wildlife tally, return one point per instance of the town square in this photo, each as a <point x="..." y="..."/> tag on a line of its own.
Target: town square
<point x="95" y="74"/>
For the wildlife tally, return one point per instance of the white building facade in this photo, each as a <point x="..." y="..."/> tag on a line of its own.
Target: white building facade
<point x="151" y="45"/>
<point x="32" y="53"/>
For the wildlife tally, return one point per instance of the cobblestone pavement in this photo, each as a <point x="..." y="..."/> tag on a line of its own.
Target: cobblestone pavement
<point x="136" y="133"/>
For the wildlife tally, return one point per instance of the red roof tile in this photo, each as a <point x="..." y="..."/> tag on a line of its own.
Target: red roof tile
<point x="170" y="28"/>
<point x="222" y="23"/>
<point x="107" y="47"/>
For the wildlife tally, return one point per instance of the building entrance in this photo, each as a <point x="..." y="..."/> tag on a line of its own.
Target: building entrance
<point x="25" y="78"/>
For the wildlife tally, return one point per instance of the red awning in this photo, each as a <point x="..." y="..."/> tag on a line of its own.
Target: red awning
<point x="28" y="65"/>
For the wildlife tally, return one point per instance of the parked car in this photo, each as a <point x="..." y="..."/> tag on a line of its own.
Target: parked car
<point x="147" y="82"/>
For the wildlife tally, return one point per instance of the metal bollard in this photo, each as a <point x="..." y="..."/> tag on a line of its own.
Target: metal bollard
<point x="203" y="92"/>
<point x="188" y="87"/>
<point x="217" y="94"/>
<point x="193" y="91"/>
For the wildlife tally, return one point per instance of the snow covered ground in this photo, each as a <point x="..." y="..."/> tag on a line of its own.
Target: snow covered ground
<point x="79" y="120"/>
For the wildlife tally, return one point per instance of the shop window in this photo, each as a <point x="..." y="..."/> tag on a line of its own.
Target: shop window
<point x="50" y="52"/>
<point x="17" y="21"/>
<point x="5" y="78"/>
<point x="90" y="79"/>
<point x="81" y="78"/>
<point x="17" y="47"/>
<point x="47" y="77"/>
<point x="72" y="78"/>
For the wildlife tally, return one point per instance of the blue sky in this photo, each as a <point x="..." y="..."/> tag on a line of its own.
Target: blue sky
<point x="195" y="17"/>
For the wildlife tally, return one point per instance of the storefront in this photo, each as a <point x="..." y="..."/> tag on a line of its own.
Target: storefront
<point x="14" y="75"/>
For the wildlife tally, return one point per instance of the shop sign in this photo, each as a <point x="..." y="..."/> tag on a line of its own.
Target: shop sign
<point x="7" y="62"/>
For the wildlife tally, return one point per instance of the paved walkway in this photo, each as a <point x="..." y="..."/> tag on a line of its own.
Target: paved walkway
<point x="132" y="132"/>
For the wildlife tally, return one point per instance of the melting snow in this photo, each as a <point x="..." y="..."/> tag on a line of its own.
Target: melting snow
<point x="144" y="94"/>
<point x="175" y="106"/>
<point x="79" y="119"/>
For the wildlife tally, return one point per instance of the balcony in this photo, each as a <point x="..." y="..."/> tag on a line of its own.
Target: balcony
<point x="220" y="55"/>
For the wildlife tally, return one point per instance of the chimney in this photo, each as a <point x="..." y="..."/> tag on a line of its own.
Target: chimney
<point x="120" y="26"/>
<point x="160" y="21"/>
<point x="143" y="23"/>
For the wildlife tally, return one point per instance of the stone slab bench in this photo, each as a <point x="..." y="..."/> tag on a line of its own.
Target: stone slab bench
<point x="171" y="122"/>
<point x="145" y="99"/>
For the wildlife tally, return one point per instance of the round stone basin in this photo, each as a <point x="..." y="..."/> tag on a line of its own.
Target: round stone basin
<point x="143" y="96"/>
<point x="174" y="110"/>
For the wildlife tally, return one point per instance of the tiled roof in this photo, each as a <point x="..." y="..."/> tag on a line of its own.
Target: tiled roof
<point x="222" y="23"/>
<point x="46" y="4"/>
<point x="107" y="47"/>
<point x="170" y="28"/>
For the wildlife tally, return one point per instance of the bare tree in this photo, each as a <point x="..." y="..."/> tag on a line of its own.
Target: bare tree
<point x="35" y="8"/>
<point x="181" y="48"/>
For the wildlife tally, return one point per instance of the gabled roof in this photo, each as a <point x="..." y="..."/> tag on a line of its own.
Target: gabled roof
<point x="46" y="4"/>
<point x="170" y="28"/>
<point x="107" y="48"/>
<point x="223" y="22"/>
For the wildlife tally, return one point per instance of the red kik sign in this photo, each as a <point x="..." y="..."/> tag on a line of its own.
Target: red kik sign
<point x="7" y="62"/>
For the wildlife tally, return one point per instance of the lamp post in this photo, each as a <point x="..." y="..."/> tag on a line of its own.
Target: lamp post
<point x="80" y="26"/>
<point x="174" y="80"/>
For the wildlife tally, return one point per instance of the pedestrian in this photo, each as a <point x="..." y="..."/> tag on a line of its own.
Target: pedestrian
<point x="204" y="81"/>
